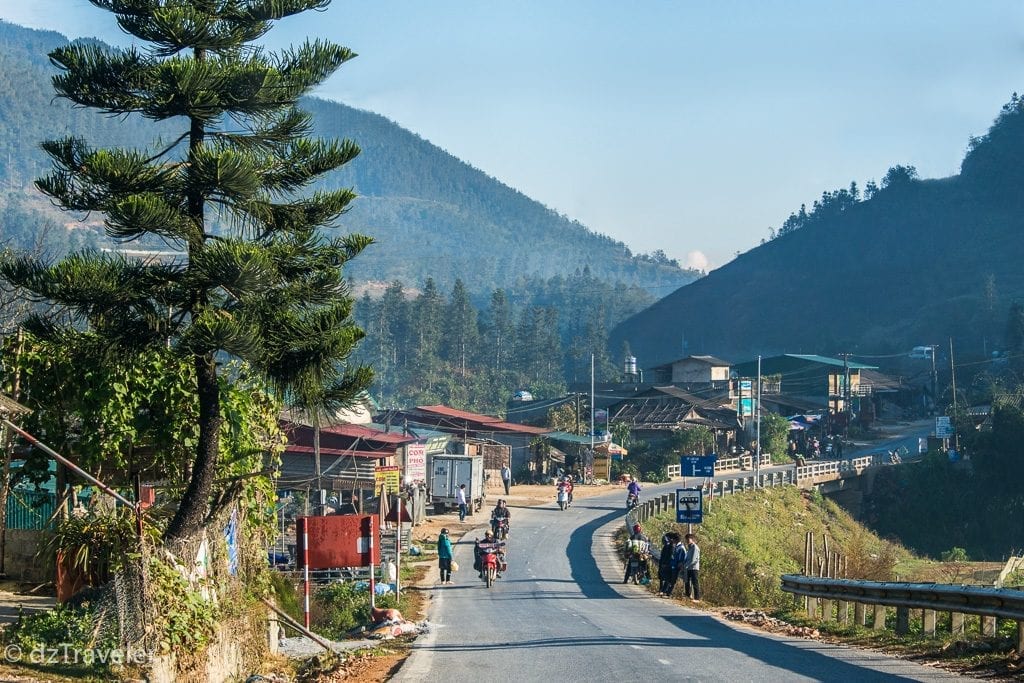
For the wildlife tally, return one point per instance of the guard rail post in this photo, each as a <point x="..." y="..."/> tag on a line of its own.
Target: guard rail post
<point x="826" y="609"/>
<point x="988" y="626"/>
<point x="956" y="623"/>
<point x="1020" y="637"/>
<point x="878" y="618"/>
<point x="928" y="622"/>
<point x="859" y="609"/>
<point x="664" y="502"/>
<point x="902" y="620"/>
<point x="812" y="607"/>
<point x="843" y="612"/>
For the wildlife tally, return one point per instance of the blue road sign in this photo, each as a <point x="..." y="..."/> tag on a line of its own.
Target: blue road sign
<point x="697" y="465"/>
<point x="689" y="506"/>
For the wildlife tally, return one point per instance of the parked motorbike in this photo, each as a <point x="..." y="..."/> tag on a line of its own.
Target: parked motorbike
<point x="632" y="501"/>
<point x="636" y="568"/>
<point x="563" y="497"/>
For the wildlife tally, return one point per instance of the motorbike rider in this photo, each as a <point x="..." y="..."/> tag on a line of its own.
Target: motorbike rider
<point x="568" y="489"/>
<point x="639" y="545"/>
<point x="478" y="552"/>
<point x="633" y="491"/>
<point x="499" y="513"/>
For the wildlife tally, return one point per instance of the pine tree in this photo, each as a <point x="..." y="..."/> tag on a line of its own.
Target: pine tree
<point x="267" y="287"/>
<point x="461" y="334"/>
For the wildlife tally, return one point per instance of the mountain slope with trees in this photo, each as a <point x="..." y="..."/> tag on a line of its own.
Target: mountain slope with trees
<point x="431" y="214"/>
<point x="907" y="262"/>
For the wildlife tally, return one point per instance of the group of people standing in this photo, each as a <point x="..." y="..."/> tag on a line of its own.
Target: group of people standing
<point x="680" y="557"/>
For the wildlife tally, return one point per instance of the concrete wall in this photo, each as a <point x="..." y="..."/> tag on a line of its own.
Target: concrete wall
<point x="228" y="657"/>
<point x="22" y="559"/>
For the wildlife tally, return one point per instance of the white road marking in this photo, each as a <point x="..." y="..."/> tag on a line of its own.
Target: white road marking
<point x="636" y="647"/>
<point x="665" y="662"/>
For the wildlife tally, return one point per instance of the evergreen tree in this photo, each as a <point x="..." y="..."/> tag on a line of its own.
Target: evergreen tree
<point x="267" y="287"/>
<point x="498" y="332"/>
<point x="1015" y="338"/>
<point x="461" y="336"/>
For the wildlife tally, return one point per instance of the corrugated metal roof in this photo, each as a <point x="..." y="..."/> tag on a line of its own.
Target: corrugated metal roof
<point x="513" y="427"/>
<point x="461" y="414"/>
<point x="814" y="358"/>
<point x="337" y="452"/>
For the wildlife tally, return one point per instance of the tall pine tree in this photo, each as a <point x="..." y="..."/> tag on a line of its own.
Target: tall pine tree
<point x="269" y="287"/>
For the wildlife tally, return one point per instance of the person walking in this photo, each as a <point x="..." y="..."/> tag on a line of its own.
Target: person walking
<point x="460" y="498"/>
<point x="691" y="565"/>
<point x="506" y="477"/>
<point x="444" y="556"/>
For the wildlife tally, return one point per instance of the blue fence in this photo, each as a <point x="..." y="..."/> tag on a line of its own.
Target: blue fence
<point x="29" y="509"/>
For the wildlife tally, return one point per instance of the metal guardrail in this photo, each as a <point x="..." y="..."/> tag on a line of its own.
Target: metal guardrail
<point x="1004" y="603"/>
<point x="988" y="603"/>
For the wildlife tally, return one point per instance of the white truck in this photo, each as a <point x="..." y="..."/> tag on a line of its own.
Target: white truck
<point x="448" y="472"/>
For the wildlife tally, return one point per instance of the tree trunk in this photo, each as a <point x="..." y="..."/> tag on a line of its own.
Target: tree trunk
<point x="196" y="502"/>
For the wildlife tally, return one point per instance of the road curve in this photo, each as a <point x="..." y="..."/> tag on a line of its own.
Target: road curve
<point x="560" y="611"/>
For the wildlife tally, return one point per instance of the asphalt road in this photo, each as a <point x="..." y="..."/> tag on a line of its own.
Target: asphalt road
<point x="561" y="612"/>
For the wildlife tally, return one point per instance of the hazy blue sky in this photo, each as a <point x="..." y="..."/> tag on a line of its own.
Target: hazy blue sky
<point x="684" y="126"/>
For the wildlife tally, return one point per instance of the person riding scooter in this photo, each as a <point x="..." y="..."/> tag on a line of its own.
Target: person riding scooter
<point x="500" y="512"/>
<point x="632" y="494"/>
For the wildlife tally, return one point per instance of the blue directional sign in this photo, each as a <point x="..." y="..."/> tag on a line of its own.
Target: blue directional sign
<point x="689" y="506"/>
<point x="697" y="465"/>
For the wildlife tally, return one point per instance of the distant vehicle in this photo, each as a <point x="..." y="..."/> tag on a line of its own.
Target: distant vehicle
<point x="925" y="352"/>
<point x="522" y="396"/>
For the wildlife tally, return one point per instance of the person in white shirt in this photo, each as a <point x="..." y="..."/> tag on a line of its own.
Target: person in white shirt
<point x="460" y="498"/>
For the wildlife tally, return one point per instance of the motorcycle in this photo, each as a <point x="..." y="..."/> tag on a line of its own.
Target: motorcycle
<point x="632" y="501"/>
<point x="563" y="497"/>
<point x="636" y="568"/>
<point x="500" y="528"/>
<point x="491" y="562"/>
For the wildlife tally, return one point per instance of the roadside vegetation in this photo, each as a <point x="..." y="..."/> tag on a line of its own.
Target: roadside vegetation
<point x="747" y="541"/>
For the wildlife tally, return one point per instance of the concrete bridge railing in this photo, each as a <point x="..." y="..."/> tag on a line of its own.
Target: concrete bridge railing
<point x="831" y="598"/>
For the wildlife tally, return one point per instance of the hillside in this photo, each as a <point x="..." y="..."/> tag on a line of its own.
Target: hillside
<point x="912" y="262"/>
<point x="431" y="214"/>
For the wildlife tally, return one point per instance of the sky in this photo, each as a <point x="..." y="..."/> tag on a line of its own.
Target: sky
<point x="690" y="127"/>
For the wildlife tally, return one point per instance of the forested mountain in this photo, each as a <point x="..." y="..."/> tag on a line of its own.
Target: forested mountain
<point x="438" y="347"/>
<point x="909" y="262"/>
<point x="431" y="214"/>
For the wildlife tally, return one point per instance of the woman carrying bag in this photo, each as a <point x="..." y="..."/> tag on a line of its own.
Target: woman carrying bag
<point x="444" y="556"/>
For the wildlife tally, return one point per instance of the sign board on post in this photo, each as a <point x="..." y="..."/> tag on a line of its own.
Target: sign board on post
<point x="943" y="427"/>
<point x="689" y="506"/>
<point x="697" y="465"/>
<point x="388" y="476"/>
<point x="415" y="463"/>
<point x="338" y="541"/>
<point x="602" y="468"/>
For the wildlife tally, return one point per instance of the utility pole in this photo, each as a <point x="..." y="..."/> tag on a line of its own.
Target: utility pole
<point x="846" y="394"/>
<point x="935" y="382"/>
<point x="952" y="372"/>
<point x="757" y="451"/>
<point x="577" y="413"/>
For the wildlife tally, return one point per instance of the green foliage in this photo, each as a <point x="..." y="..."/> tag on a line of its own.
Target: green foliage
<point x="696" y="440"/>
<point x="286" y="595"/>
<point x="774" y="435"/>
<point x="935" y="504"/>
<point x="340" y="607"/>
<point x="97" y="544"/>
<point x="745" y="547"/>
<point x="955" y="555"/>
<point x="185" y="619"/>
<point x="78" y="629"/>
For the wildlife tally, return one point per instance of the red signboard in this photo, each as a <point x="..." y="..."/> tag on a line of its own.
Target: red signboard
<point x="338" y="541"/>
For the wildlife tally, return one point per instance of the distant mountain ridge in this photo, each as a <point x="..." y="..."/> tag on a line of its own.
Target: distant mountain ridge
<point x="916" y="262"/>
<point x="431" y="214"/>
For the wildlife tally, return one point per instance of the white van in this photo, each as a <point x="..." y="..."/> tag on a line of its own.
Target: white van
<point x="924" y="352"/>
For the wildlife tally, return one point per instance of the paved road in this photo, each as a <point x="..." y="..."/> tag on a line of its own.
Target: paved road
<point x="560" y="612"/>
